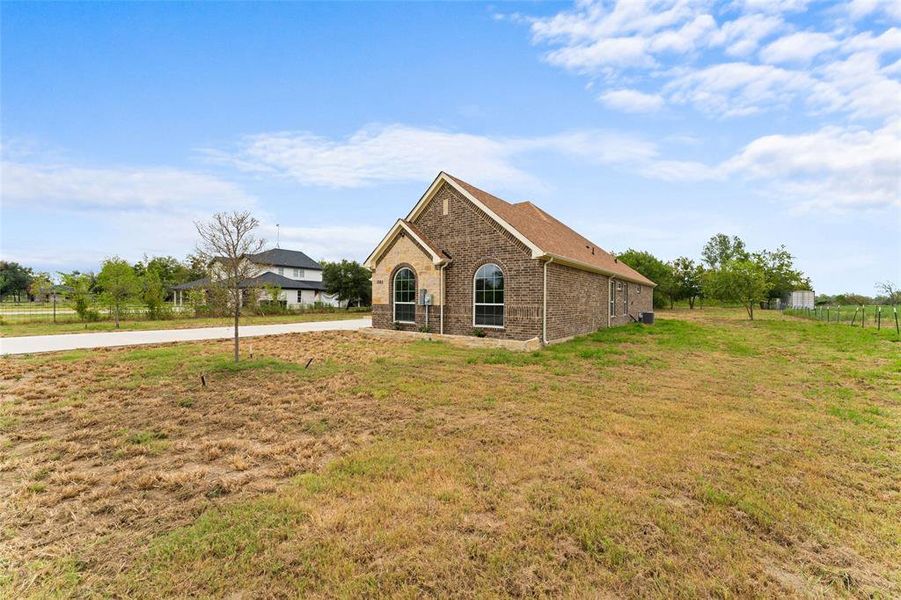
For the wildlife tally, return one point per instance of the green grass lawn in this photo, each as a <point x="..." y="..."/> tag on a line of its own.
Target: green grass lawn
<point x="703" y="456"/>
<point x="13" y="329"/>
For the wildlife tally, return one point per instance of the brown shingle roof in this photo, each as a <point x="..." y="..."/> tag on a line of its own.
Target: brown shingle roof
<point x="551" y="235"/>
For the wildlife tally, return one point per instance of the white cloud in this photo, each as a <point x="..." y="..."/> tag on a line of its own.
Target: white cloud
<point x="734" y="89"/>
<point x="743" y="35"/>
<point x="775" y="6"/>
<point x="73" y="187"/>
<point x="329" y="242"/>
<point x="798" y="47"/>
<point x="373" y="155"/>
<point x="676" y="48"/>
<point x="858" y="86"/>
<point x="839" y="167"/>
<point x="397" y="153"/>
<point x="612" y="52"/>
<point x="834" y="167"/>
<point x="858" y="9"/>
<point x="888" y="41"/>
<point x="631" y="101"/>
<point x="597" y="37"/>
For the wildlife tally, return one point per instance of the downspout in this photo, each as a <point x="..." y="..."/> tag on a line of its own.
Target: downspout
<point x="544" y="307"/>
<point x="441" y="308"/>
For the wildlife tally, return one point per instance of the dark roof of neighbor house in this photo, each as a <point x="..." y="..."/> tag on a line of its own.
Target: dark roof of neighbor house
<point x="551" y="235"/>
<point x="286" y="283"/>
<point x="267" y="278"/>
<point x="285" y="258"/>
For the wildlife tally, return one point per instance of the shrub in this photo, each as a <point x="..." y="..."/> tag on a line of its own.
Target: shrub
<point x="479" y="332"/>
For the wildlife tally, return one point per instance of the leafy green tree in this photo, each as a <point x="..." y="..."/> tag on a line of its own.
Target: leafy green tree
<point x="721" y="249"/>
<point x="41" y="287"/>
<point x="196" y="268"/>
<point x="80" y="296"/>
<point x="197" y="300"/>
<point x="782" y="277"/>
<point x="119" y="283"/>
<point x="169" y="269"/>
<point x="688" y="277"/>
<point x="14" y="279"/>
<point x="349" y="281"/>
<point x="654" y="269"/>
<point x="740" y="281"/>
<point x="153" y="293"/>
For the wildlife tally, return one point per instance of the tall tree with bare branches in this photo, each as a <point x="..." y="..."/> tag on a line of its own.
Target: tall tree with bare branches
<point x="226" y="240"/>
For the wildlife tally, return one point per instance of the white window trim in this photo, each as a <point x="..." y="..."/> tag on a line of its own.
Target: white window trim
<point x="394" y="301"/>
<point x="611" y="309"/>
<point x="474" y="324"/>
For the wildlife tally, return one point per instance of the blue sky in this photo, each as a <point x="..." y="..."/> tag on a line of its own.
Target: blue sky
<point x="650" y="125"/>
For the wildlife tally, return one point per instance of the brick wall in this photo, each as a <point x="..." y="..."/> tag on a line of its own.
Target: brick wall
<point x="578" y="301"/>
<point x="472" y="239"/>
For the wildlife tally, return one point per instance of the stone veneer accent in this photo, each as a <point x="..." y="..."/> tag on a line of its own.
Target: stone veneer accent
<point x="577" y="299"/>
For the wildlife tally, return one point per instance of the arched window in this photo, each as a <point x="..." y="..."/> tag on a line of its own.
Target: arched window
<point x="405" y="296"/>
<point x="488" y="299"/>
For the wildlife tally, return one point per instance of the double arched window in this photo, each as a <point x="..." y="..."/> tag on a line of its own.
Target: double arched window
<point x="488" y="296"/>
<point x="405" y="296"/>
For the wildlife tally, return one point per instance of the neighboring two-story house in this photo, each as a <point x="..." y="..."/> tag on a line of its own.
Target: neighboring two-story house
<point x="297" y="275"/>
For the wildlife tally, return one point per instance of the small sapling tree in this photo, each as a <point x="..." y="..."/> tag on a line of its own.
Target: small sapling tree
<point x="225" y="242"/>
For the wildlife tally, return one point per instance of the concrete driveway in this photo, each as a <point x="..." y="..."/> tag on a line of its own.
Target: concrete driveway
<point x="74" y="341"/>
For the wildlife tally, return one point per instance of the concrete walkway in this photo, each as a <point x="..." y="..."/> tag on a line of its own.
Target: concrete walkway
<point x="74" y="341"/>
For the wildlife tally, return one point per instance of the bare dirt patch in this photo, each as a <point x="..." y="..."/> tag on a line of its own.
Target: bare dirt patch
<point x="123" y="444"/>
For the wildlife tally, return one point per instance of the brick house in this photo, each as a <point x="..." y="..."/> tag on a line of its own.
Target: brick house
<point x="464" y="260"/>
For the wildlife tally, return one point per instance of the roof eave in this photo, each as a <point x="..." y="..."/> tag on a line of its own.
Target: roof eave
<point x="445" y="178"/>
<point x="399" y="225"/>
<point x="594" y="269"/>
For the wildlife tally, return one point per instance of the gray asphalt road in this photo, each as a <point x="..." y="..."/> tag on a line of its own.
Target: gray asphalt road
<point x="74" y="341"/>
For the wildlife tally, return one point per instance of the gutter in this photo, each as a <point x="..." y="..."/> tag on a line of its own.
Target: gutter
<point x="586" y="267"/>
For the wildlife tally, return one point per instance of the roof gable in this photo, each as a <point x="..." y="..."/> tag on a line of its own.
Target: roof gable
<point x="402" y="226"/>
<point x="544" y="235"/>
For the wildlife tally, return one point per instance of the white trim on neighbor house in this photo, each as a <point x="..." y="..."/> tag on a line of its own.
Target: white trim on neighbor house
<point x="444" y="178"/>
<point x="395" y="230"/>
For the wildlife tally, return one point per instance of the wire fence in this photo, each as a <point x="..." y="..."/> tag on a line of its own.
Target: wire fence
<point x="875" y="316"/>
<point x="62" y="310"/>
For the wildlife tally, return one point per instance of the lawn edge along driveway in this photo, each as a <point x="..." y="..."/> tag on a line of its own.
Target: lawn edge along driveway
<point x="74" y="341"/>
